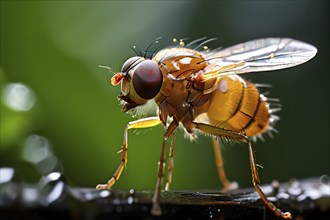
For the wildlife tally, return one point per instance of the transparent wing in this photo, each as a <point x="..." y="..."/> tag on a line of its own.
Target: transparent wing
<point x="261" y="55"/>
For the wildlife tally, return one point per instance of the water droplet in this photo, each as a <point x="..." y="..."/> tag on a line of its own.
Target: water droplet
<point x="283" y="195"/>
<point x="36" y="148"/>
<point x="325" y="179"/>
<point x="55" y="193"/>
<point x="6" y="174"/>
<point x="47" y="165"/>
<point x="18" y="97"/>
<point x="8" y="190"/>
<point x="51" y="188"/>
<point x="313" y="193"/>
<point x="301" y="197"/>
<point x="104" y="193"/>
<point x="38" y="151"/>
<point x="130" y="200"/>
<point x="30" y="196"/>
<point x="54" y="176"/>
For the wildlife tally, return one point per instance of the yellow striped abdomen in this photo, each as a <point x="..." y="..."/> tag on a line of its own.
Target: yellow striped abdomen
<point x="236" y="105"/>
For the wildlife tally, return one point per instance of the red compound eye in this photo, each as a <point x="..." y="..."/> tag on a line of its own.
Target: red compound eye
<point x="147" y="79"/>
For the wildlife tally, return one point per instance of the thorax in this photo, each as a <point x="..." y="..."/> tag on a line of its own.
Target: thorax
<point x="178" y="66"/>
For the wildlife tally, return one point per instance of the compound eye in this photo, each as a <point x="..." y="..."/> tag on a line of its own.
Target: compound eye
<point x="147" y="79"/>
<point x="129" y="64"/>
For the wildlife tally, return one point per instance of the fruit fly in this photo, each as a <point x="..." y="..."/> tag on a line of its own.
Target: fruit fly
<point x="202" y="91"/>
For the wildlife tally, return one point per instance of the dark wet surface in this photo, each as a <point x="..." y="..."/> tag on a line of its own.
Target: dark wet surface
<point x="53" y="198"/>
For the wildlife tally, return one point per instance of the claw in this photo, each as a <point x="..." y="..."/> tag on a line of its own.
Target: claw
<point x="102" y="186"/>
<point x="230" y="186"/>
<point x="156" y="210"/>
<point x="286" y="215"/>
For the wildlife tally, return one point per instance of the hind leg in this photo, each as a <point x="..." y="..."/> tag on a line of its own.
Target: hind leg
<point x="212" y="130"/>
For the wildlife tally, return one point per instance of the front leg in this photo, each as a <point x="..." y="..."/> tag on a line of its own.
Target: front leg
<point x="170" y="164"/>
<point x="156" y="210"/>
<point x="141" y="123"/>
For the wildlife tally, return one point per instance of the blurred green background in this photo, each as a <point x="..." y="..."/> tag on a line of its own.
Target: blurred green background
<point x="60" y="113"/>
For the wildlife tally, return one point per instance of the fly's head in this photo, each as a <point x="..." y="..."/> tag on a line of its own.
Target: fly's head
<point x="141" y="80"/>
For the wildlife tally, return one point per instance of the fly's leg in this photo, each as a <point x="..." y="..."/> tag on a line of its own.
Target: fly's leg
<point x="155" y="210"/>
<point x="142" y="123"/>
<point x="212" y="130"/>
<point x="256" y="183"/>
<point x="170" y="164"/>
<point x="227" y="185"/>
